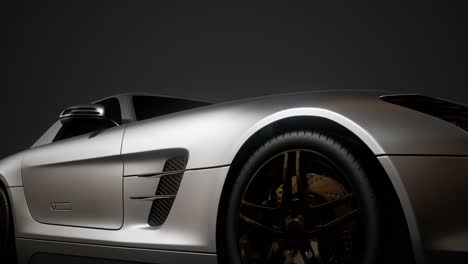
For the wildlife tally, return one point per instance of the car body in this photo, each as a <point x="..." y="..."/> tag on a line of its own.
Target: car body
<point x="93" y="195"/>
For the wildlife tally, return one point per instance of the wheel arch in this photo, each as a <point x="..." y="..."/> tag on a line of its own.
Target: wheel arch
<point x="367" y="145"/>
<point x="11" y="235"/>
<point x="3" y="184"/>
<point x="4" y="187"/>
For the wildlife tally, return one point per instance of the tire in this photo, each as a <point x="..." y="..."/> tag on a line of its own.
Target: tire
<point x="350" y="171"/>
<point x="7" y="249"/>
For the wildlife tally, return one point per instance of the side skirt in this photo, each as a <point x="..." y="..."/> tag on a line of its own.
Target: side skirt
<point x="41" y="251"/>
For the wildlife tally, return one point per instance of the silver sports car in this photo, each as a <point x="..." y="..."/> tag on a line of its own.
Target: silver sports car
<point x="308" y="178"/>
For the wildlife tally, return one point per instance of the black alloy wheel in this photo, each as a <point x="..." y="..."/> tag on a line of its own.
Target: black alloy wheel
<point x="302" y="198"/>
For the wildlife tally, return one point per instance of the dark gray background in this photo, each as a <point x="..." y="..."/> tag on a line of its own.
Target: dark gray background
<point x="57" y="55"/>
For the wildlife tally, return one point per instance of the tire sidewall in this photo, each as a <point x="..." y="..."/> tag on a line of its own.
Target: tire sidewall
<point x="4" y="223"/>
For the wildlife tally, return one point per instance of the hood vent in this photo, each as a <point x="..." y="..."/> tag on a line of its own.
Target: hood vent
<point x="456" y="114"/>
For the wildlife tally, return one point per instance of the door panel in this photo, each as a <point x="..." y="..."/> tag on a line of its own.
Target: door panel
<point x="77" y="181"/>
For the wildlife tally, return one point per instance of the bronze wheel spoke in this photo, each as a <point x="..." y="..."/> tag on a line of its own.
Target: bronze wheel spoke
<point x="287" y="181"/>
<point x="268" y="213"/>
<point x="314" y="247"/>
<point x="347" y="217"/>
<point x="331" y="204"/>
<point x="298" y="207"/>
<point x="276" y="249"/>
<point x="259" y="208"/>
<point x="261" y="227"/>
<point x="300" y="177"/>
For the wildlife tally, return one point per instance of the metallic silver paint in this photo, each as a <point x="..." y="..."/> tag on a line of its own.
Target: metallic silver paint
<point x="212" y="136"/>
<point x="150" y="162"/>
<point x="191" y="225"/>
<point x="85" y="171"/>
<point x="10" y="170"/>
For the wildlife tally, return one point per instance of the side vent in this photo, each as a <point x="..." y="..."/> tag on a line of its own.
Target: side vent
<point x="168" y="185"/>
<point x="451" y="112"/>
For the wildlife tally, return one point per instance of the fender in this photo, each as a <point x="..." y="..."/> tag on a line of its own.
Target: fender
<point x="10" y="170"/>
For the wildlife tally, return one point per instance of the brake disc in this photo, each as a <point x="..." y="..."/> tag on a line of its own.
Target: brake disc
<point x="324" y="187"/>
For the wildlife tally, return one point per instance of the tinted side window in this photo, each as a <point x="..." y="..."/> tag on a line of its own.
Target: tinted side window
<point x="81" y="127"/>
<point x="152" y="106"/>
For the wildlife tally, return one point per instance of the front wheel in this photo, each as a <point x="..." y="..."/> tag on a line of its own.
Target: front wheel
<point x="301" y="198"/>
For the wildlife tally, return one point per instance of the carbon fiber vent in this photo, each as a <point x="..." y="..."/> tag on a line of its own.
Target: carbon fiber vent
<point x="168" y="185"/>
<point x="451" y="112"/>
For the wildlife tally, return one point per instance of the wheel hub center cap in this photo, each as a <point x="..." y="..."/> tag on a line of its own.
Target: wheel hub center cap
<point x="295" y="225"/>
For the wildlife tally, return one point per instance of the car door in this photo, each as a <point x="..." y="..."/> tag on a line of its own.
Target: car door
<point x="76" y="181"/>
